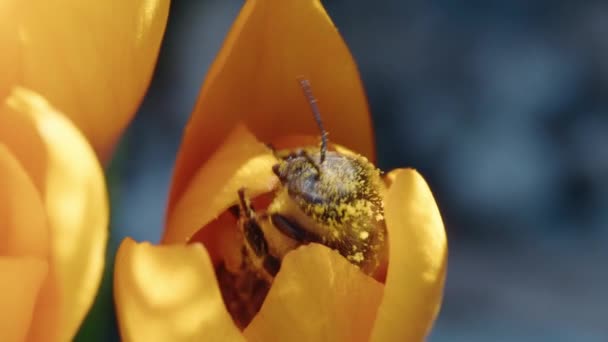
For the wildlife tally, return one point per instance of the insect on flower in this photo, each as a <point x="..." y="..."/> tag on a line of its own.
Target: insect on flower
<point x="324" y="197"/>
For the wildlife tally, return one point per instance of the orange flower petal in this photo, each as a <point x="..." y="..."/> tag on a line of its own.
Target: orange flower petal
<point x="169" y="293"/>
<point x="65" y="170"/>
<point x="417" y="261"/>
<point x="92" y="62"/>
<point x="10" y="58"/>
<point x="23" y="229"/>
<point x="222" y="240"/>
<point x="19" y="288"/>
<point x="317" y="296"/>
<point x="240" y="161"/>
<point x="254" y="80"/>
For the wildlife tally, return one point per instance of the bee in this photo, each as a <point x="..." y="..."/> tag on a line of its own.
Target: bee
<point x="325" y="197"/>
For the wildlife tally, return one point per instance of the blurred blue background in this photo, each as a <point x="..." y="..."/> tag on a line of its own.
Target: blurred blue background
<point x="501" y="105"/>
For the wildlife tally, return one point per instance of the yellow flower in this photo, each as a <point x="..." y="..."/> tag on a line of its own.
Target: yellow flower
<point x="72" y="74"/>
<point x="54" y="221"/>
<point x="170" y="292"/>
<point x="92" y="60"/>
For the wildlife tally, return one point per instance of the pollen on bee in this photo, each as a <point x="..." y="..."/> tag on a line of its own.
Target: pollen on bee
<point x="363" y="235"/>
<point x="319" y="210"/>
<point x="351" y="210"/>
<point x="357" y="257"/>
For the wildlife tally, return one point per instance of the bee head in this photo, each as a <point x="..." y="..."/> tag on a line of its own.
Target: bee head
<point x="305" y="177"/>
<point x="305" y="166"/>
<point x="314" y="173"/>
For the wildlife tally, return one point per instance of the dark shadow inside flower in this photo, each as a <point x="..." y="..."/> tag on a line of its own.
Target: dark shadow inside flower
<point x="243" y="291"/>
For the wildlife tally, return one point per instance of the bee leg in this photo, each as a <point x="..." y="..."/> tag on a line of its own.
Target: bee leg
<point x="235" y="211"/>
<point x="272" y="265"/>
<point x="293" y="229"/>
<point x="245" y="210"/>
<point x="279" y="154"/>
<point x="254" y="236"/>
<point x="257" y="242"/>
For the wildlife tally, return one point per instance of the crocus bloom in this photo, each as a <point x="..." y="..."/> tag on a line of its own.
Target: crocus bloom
<point x="169" y="292"/>
<point x="93" y="61"/>
<point x="62" y="96"/>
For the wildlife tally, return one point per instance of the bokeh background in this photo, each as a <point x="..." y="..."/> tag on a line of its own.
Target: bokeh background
<point x="501" y="105"/>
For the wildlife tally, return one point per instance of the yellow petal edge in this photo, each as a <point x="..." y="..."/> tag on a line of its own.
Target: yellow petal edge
<point x="317" y="296"/>
<point x="241" y="161"/>
<point x="23" y="228"/>
<point x="70" y="180"/>
<point x="169" y="293"/>
<point x="417" y="260"/>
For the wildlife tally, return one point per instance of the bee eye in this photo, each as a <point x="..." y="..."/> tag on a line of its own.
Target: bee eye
<point x="293" y="229"/>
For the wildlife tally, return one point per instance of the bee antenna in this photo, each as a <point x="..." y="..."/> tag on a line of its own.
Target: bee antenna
<point x="305" y="84"/>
